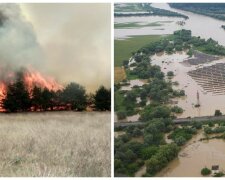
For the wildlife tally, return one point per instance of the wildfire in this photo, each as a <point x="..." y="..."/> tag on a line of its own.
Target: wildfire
<point x="31" y="78"/>
<point x="2" y="90"/>
<point x="35" y="78"/>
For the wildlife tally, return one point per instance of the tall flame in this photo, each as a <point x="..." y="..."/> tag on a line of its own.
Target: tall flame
<point x="31" y="78"/>
<point x="35" y="78"/>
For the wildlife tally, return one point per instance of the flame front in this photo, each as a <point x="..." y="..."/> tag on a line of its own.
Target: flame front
<point x="31" y="78"/>
<point x="34" y="78"/>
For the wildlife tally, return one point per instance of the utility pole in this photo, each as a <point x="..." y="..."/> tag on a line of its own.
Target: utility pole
<point x="198" y="101"/>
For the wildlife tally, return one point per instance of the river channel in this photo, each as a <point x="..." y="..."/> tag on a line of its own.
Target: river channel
<point x="203" y="26"/>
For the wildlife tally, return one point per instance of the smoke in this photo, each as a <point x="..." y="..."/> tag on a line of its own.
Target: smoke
<point x="18" y="44"/>
<point x="70" y="42"/>
<point x="76" y="41"/>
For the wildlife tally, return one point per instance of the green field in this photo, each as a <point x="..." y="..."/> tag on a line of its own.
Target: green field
<point x="124" y="48"/>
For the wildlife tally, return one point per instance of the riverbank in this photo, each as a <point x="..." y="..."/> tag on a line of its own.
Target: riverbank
<point x="194" y="156"/>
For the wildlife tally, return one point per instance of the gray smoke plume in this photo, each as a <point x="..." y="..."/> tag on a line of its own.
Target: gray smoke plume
<point x="70" y="42"/>
<point x="18" y="44"/>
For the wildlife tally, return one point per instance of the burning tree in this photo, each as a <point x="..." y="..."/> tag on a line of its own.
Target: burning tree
<point x="30" y="91"/>
<point x="17" y="97"/>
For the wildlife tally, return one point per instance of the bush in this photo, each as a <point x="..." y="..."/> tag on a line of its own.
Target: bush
<point x="219" y="174"/>
<point x="218" y="113"/>
<point x="121" y="115"/>
<point x="180" y="141"/>
<point x="177" y="109"/>
<point x="205" y="171"/>
<point x="170" y="73"/>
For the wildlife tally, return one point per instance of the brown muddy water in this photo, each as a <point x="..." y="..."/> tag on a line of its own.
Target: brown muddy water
<point x="128" y="118"/>
<point x="194" y="156"/>
<point x="203" y="26"/>
<point x="134" y="82"/>
<point x="209" y="102"/>
<point x="118" y="133"/>
<point x="167" y="26"/>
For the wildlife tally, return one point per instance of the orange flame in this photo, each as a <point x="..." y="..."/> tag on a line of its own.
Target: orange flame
<point x="31" y="78"/>
<point x="35" y="78"/>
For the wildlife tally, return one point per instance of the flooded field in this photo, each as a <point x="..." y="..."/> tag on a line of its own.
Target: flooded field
<point x="55" y="144"/>
<point x="174" y="62"/>
<point x="133" y="118"/>
<point x="194" y="156"/>
<point x="200" y="25"/>
<point x="132" y="83"/>
<point x="154" y="25"/>
<point x="202" y="77"/>
<point x="203" y="26"/>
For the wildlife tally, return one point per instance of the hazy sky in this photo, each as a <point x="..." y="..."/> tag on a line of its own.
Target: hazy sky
<point x="75" y="40"/>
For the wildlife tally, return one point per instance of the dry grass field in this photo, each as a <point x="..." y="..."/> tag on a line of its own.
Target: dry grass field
<point x="55" y="144"/>
<point x="119" y="74"/>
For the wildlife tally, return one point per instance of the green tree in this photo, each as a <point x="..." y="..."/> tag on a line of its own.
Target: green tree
<point x="205" y="171"/>
<point x="218" y="113"/>
<point x="103" y="99"/>
<point x="170" y="73"/>
<point x="75" y="95"/>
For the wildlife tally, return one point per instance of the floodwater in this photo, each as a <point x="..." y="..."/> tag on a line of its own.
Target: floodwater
<point x="141" y="172"/>
<point x="134" y="82"/>
<point x="174" y="63"/>
<point x="203" y="26"/>
<point x="118" y="133"/>
<point x="167" y="26"/>
<point x="132" y="118"/>
<point x="194" y="156"/>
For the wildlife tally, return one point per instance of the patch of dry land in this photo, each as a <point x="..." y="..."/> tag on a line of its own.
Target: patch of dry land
<point x="120" y="74"/>
<point x="55" y="144"/>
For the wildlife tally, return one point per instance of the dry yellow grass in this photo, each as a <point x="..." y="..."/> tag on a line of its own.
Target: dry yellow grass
<point x="119" y="74"/>
<point x="55" y="144"/>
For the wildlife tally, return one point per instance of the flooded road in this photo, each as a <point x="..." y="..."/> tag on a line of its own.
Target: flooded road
<point x="194" y="156"/>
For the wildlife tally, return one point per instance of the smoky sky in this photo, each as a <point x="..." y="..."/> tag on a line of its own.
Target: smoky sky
<point x="70" y="42"/>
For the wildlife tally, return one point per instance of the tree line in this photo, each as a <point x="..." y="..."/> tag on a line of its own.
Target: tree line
<point x="72" y="97"/>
